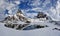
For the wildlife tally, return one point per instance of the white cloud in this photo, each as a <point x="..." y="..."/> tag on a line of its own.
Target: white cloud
<point x="9" y="6"/>
<point x="35" y="3"/>
<point x="17" y="2"/>
<point x="54" y="12"/>
<point x="3" y="4"/>
<point x="58" y="7"/>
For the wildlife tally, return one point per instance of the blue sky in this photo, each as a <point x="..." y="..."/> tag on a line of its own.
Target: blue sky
<point x="26" y="4"/>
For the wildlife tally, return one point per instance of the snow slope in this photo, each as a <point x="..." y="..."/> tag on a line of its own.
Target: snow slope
<point x="4" y="31"/>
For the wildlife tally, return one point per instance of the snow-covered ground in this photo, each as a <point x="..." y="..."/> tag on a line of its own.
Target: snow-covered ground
<point x="47" y="31"/>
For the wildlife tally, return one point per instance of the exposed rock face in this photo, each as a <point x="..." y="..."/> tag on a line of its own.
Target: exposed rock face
<point x="17" y="17"/>
<point x="16" y="26"/>
<point x="56" y="29"/>
<point x="41" y="15"/>
<point x="21" y="17"/>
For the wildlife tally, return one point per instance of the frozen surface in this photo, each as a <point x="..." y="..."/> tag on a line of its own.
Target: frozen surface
<point x="4" y="31"/>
